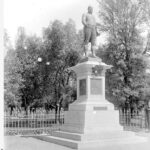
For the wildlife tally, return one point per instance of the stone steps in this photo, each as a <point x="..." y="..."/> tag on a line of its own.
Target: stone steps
<point x="108" y="143"/>
<point x="67" y="135"/>
<point x="94" y="136"/>
<point x="60" y="141"/>
<point x="74" y="141"/>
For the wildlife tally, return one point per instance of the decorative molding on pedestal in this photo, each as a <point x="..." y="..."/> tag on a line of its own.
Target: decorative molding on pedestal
<point x="91" y="74"/>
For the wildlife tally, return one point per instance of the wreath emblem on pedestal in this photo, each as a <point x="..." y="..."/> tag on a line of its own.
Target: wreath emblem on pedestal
<point x="98" y="70"/>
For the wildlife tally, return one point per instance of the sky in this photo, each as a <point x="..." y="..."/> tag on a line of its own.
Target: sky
<point x="36" y="14"/>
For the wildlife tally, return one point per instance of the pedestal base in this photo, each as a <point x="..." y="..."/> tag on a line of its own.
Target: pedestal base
<point x="92" y="126"/>
<point x="91" y="117"/>
<point x="105" y="140"/>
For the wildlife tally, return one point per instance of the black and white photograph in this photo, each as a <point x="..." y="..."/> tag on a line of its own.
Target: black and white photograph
<point x="76" y="75"/>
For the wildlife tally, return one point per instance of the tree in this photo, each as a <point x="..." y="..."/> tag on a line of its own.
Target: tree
<point x="61" y="50"/>
<point x="73" y="39"/>
<point x="27" y="51"/>
<point x="45" y="83"/>
<point x="13" y="81"/>
<point x="125" y="81"/>
<point x="146" y="8"/>
<point x="147" y="58"/>
<point x="147" y="47"/>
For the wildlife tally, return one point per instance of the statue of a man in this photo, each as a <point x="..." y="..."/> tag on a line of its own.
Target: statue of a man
<point x="90" y="33"/>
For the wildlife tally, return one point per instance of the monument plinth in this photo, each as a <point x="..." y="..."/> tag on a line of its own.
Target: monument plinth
<point x="91" y="121"/>
<point x="91" y="112"/>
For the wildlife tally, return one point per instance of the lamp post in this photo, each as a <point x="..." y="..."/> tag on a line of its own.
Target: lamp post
<point x="43" y="72"/>
<point x="25" y="47"/>
<point x="41" y="60"/>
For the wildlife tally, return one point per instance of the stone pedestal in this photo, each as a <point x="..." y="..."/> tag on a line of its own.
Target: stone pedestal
<point x="91" y="113"/>
<point x="91" y="121"/>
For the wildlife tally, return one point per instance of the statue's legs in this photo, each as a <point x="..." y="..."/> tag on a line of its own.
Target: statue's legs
<point x="87" y="38"/>
<point x="93" y="41"/>
<point x="85" y="49"/>
<point x="93" y="49"/>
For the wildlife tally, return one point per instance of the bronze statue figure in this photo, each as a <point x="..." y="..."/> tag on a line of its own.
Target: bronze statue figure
<point x="90" y="31"/>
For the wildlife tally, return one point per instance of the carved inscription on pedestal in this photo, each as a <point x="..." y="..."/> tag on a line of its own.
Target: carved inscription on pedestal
<point x="100" y="108"/>
<point x="82" y="87"/>
<point x="96" y="86"/>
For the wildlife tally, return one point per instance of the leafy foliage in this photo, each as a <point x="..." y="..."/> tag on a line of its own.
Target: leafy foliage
<point x="13" y="81"/>
<point x="126" y="80"/>
<point x="62" y="55"/>
<point x="46" y="83"/>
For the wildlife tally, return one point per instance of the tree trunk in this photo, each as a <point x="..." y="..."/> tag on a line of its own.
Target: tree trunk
<point x="26" y="110"/>
<point x="56" y="114"/>
<point x="11" y="110"/>
<point x="59" y="109"/>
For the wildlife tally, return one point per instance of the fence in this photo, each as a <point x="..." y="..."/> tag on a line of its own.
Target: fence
<point x="43" y="123"/>
<point x="32" y="124"/>
<point x="135" y="121"/>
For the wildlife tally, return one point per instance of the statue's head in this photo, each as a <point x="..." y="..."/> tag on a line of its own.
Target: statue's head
<point x="90" y="9"/>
